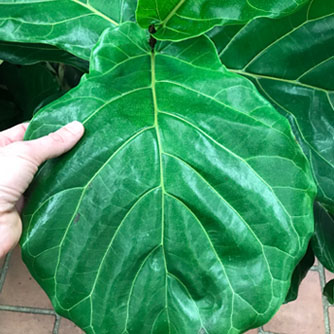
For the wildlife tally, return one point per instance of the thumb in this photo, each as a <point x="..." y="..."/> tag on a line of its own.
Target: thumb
<point x="56" y="143"/>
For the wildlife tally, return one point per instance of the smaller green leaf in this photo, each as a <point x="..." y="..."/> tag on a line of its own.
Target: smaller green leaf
<point x="329" y="291"/>
<point x="30" y="54"/>
<point x="299" y="274"/>
<point x="73" y="25"/>
<point x="181" y="19"/>
<point x="323" y="239"/>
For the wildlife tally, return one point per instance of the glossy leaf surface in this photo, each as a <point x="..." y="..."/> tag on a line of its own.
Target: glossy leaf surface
<point x="292" y="64"/>
<point x="182" y="19"/>
<point x="72" y="25"/>
<point x="30" y="54"/>
<point x="158" y="221"/>
<point x="323" y="239"/>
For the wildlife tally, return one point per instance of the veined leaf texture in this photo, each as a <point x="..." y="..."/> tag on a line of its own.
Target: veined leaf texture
<point x="169" y="216"/>
<point x="292" y="64"/>
<point x="181" y="19"/>
<point x="75" y="25"/>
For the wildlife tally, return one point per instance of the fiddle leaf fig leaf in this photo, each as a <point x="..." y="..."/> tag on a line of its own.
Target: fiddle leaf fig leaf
<point x="158" y="220"/>
<point x="292" y="65"/>
<point x="31" y="54"/>
<point x="323" y="239"/>
<point x="299" y="274"/>
<point x="182" y="19"/>
<point x="329" y="291"/>
<point x="72" y="25"/>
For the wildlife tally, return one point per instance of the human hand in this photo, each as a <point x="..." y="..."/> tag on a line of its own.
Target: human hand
<point x="19" y="161"/>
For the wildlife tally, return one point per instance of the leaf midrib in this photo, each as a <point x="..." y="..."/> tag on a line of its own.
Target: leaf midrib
<point x="87" y="6"/>
<point x="171" y="14"/>
<point x="96" y="12"/>
<point x="244" y="70"/>
<point x="274" y="42"/>
<point x="163" y="191"/>
<point x="289" y="81"/>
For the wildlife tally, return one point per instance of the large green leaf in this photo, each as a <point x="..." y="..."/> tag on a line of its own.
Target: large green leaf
<point x="30" y="54"/>
<point x="169" y="216"/>
<point x="181" y="19"/>
<point x="73" y="25"/>
<point x="292" y="63"/>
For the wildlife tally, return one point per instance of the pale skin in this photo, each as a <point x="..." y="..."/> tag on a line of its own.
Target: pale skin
<point x="19" y="162"/>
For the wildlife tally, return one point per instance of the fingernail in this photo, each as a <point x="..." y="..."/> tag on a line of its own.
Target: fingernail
<point x="75" y="127"/>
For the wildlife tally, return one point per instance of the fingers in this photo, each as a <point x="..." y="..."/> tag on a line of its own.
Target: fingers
<point x="56" y="143"/>
<point x="16" y="133"/>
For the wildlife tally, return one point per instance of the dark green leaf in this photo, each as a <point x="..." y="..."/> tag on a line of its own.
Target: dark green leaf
<point x="181" y="19"/>
<point x="323" y="239"/>
<point x="329" y="291"/>
<point x="299" y="274"/>
<point x="30" y="54"/>
<point x="72" y="76"/>
<point x="74" y="26"/>
<point x="169" y="216"/>
<point x="10" y="114"/>
<point x="29" y="86"/>
<point x="292" y="63"/>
